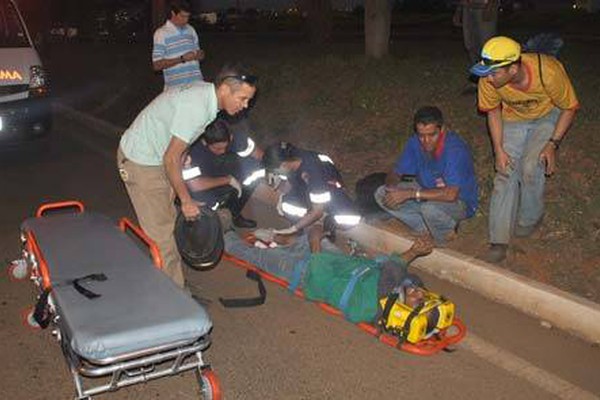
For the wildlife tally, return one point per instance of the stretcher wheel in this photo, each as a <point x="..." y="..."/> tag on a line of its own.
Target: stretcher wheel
<point x="18" y="270"/>
<point x="209" y="385"/>
<point x="28" y="320"/>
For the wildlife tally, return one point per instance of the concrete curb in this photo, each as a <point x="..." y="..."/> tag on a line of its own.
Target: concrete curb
<point x="566" y="311"/>
<point x="561" y="309"/>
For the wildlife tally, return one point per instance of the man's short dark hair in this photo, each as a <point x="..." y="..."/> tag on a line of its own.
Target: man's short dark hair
<point x="276" y="154"/>
<point x="217" y="132"/>
<point x="178" y="6"/>
<point x="235" y="75"/>
<point x="428" y="115"/>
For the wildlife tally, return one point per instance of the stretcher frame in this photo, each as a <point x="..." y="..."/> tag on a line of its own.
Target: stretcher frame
<point x="126" y="369"/>
<point x="433" y="345"/>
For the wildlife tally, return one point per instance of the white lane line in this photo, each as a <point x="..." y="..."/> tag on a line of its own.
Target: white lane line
<point x="523" y="369"/>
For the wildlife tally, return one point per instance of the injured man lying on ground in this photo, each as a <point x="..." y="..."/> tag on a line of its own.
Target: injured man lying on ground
<point x="364" y="286"/>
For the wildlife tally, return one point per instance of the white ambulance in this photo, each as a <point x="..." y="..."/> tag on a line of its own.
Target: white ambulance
<point x="24" y="102"/>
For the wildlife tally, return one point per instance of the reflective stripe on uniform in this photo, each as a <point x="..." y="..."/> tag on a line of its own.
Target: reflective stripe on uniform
<point x="347" y="219"/>
<point x="325" y="158"/>
<point x="320" y="198"/>
<point x="248" y="150"/>
<point x="260" y="173"/>
<point x="293" y="210"/>
<point x="190" y="173"/>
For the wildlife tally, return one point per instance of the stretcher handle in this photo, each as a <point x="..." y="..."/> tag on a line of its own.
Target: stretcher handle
<point x="34" y="248"/>
<point x="125" y="223"/>
<point x="59" y="204"/>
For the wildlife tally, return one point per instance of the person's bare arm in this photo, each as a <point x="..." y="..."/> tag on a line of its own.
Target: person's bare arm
<point x="172" y="162"/>
<point x="165" y="63"/>
<point x="207" y="182"/>
<point x="307" y="220"/>
<point x="548" y="153"/>
<point x="395" y="197"/>
<point x="495" y="126"/>
<point x="421" y="247"/>
<point x="315" y="234"/>
<point x="311" y="217"/>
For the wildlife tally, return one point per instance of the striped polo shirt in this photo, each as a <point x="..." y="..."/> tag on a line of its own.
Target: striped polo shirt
<point x="172" y="42"/>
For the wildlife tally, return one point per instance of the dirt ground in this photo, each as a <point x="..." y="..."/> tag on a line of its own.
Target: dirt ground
<point x="360" y="111"/>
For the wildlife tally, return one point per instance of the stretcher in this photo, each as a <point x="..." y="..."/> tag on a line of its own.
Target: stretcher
<point x="119" y="320"/>
<point x="441" y="341"/>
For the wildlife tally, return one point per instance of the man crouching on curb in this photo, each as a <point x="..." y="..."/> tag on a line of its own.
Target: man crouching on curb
<point x="432" y="186"/>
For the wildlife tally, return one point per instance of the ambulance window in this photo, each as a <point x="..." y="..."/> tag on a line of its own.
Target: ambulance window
<point x="12" y="32"/>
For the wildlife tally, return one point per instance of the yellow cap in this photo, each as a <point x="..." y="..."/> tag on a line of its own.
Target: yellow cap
<point x="497" y="52"/>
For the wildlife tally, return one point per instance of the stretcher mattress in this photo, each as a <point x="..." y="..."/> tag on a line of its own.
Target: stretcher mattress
<point x="139" y="307"/>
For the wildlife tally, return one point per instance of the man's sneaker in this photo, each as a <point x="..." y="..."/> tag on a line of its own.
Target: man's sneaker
<point x="496" y="253"/>
<point x="526" y="231"/>
<point x="242" y="222"/>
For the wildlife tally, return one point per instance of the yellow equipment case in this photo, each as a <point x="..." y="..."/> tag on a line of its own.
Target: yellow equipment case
<point x="414" y="324"/>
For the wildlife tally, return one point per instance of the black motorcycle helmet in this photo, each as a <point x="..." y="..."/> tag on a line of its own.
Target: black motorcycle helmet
<point x="200" y="242"/>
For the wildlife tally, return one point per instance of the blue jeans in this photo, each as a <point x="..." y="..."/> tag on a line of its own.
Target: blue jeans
<point x="519" y="195"/>
<point x="435" y="217"/>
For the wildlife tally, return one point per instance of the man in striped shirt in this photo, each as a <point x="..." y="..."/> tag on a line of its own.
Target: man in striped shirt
<point x="176" y="50"/>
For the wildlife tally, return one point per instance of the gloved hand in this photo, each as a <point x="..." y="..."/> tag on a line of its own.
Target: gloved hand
<point x="236" y="185"/>
<point x="287" y="231"/>
<point x="266" y="235"/>
<point x="273" y="180"/>
<point x="279" y="205"/>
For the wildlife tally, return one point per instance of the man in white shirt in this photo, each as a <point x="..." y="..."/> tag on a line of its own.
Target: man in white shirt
<point x="176" y="50"/>
<point x="151" y="149"/>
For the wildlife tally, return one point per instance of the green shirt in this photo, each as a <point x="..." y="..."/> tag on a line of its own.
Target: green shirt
<point x="181" y="112"/>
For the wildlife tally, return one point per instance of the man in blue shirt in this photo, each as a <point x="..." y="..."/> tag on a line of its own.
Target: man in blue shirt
<point x="176" y="50"/>
<point x="432" y="186"/>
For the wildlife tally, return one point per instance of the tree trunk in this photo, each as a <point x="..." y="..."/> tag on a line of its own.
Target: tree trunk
<point x="159" y="10"/>
<point x="378" y="15"/>
<point x="319" y="22"/>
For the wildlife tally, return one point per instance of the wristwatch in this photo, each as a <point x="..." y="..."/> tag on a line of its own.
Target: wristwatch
<point x="555" y="143"/>
<point x="181" y="59"/>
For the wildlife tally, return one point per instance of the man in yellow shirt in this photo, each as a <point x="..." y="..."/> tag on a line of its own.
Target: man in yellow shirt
<point x="530" y="105"/>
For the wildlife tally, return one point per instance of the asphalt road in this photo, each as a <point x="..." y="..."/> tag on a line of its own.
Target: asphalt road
<point x="287" y="348"/>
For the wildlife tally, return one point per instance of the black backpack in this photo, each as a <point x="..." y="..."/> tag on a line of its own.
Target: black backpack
<point x="365" y="194"/>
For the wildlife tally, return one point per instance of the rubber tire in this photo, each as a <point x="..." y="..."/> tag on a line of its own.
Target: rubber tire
<point x="210" y="387"/>
<point x="27" y="319"/>
<point x="18" y="272"/>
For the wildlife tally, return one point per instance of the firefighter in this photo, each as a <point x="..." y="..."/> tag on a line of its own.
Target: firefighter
<point x="311" y="188"/>
<point x="223" y="168"/>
